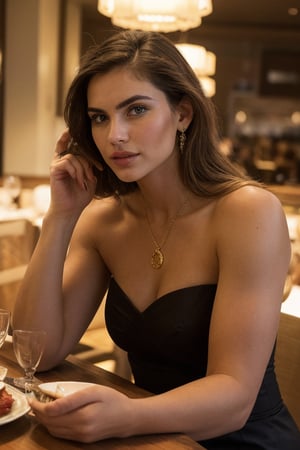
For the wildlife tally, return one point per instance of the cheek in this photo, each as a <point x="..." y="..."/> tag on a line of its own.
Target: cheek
<point x="162" y="132"/>
<point x="95" y="136"/>
<point x="99" y="141"/>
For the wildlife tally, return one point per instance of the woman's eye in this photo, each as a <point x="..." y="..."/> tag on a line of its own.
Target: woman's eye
<point x="137" y="110"/>
<point x="97" y="118"/>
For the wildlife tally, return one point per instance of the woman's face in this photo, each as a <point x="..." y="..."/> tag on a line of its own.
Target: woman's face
<point x="132" y="124"/>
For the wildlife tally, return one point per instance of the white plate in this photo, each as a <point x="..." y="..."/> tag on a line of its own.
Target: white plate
<point x="19" y="408"/>
<point x="63" y="388"/>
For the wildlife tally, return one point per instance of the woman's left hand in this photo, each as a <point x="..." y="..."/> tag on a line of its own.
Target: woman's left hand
<point x="89" y="415"/>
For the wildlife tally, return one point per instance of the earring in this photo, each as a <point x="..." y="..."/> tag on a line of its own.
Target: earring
<point x="182" y="139"/>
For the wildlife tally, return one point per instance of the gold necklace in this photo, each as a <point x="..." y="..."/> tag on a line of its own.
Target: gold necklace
<point x="157" y="258"/>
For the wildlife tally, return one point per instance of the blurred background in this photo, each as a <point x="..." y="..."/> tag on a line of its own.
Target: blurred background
<point x="256" y="44"/>
<point x="248" y="61"/>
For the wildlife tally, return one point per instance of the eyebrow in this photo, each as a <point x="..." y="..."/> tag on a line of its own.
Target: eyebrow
<point x="124" y="103"/>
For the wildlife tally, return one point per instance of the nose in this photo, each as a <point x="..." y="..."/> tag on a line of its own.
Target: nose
<point x="117" y="132"/>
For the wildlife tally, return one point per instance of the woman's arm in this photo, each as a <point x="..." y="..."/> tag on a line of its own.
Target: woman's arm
<point x="54" y="286"/>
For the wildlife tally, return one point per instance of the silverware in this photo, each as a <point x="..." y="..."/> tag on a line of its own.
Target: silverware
<point x="36" y="391"/>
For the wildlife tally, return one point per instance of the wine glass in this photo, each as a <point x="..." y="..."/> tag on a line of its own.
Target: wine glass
<point x="28" y="347"/>
<point x="4" y="324"/>
<point x="12" y="186"/>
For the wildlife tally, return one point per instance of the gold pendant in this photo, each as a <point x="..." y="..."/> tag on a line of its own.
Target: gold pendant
<point x="157" y="259"/>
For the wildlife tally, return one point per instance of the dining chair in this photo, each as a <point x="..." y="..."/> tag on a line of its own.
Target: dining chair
<point x="17" y="241"/>
<point x="287" y="362"/>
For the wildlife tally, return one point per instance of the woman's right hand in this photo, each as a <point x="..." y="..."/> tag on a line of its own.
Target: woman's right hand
<point x="71" y="178"/>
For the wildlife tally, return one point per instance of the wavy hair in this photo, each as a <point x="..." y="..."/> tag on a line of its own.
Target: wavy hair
<point x="153" y="57"/>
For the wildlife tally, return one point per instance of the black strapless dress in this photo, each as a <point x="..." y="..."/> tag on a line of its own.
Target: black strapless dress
<point x="167" y="347"/>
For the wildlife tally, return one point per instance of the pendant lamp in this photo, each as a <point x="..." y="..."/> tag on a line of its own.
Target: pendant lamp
<point x="203" y="63"/>
<point x="156" y="15"/>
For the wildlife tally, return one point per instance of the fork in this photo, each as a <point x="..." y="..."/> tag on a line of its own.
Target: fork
<point x="37" y="392"/>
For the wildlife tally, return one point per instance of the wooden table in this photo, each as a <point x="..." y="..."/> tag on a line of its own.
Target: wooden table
<point x="26" y="434"/>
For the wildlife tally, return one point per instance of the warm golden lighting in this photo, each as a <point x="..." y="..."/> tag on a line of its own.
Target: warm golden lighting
<point x="156" y="15"/>
<point x="210" y="63"/>
<point x="203" y="63"/>
<point x="295" y="118"/>
<point x="241" y="117"/>
<point x="293" y="11"/>
<point x="208" y="85"/>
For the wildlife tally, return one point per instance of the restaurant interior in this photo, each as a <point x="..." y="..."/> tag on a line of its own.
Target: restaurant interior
<point x="254" y="81"/>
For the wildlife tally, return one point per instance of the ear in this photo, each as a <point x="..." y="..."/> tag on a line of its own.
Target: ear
<point x="185" y="113"/>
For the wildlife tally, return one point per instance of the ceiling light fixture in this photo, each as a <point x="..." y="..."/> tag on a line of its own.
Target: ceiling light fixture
<point x="203" y="63"/>
<point x="208" y="85"/>
<point x="156" y="15"/>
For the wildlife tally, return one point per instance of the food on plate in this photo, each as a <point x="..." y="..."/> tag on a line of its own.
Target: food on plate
<point x="6" y="400"/>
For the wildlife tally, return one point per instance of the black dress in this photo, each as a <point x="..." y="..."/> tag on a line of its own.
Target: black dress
<point x="167" y="347"/>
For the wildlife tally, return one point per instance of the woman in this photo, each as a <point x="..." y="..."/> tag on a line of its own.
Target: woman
<point x="194" y="257"/>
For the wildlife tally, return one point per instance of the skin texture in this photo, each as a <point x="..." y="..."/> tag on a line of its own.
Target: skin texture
<point x="240" y="241"/>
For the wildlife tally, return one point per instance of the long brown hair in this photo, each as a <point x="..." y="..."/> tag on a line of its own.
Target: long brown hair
<point x="153" y="57"/>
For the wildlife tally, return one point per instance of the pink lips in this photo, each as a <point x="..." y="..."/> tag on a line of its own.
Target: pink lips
<point x="123" y="159"/>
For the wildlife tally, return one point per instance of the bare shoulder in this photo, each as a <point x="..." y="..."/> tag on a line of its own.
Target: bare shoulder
<point x="106" y="209"/>
<point x="100" y="217"/>
<point x="249" y="201"/>
<point x="250" y="214"/>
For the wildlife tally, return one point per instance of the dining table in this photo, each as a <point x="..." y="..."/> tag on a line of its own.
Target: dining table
<point x="25" y="433"/>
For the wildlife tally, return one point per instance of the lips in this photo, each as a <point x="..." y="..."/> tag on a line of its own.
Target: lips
<point x="123" y="158"/>
<point x="123" y="154"/>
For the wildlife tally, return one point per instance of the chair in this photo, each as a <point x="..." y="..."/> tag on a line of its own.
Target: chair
<point x="287" y="363"/>
<point x="17" y="241"/>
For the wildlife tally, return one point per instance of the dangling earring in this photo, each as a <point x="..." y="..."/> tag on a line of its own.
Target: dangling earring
<point x="182" y="139"/>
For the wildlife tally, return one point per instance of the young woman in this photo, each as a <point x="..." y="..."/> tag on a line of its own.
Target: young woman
<point x="193" y="254"/>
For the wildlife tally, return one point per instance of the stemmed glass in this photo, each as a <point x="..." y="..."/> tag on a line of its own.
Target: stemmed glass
<point x="28" y="347"/>
<point x="4" y="324"/>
